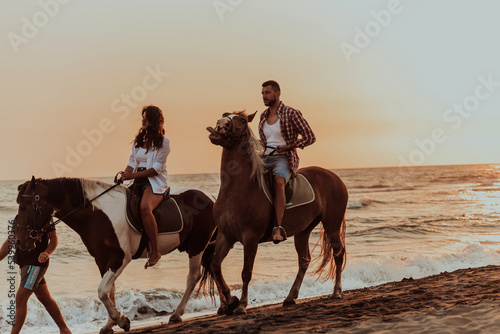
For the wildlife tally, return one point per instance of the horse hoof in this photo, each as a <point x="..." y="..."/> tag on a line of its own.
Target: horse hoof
<point x="124" y="323"/>
<point x="289" y="302"/>
<point x="240" y="310"/>
<point x="222" y="310"/>
<point x="175" y="319"/>
<point x="232" y="305"/>
<point x="106" y="331"/>
<point x="336" y="295"/>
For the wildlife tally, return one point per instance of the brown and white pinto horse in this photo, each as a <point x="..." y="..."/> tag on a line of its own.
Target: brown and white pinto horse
<point x="104" y="230"/>
<point x="243" y="213"/>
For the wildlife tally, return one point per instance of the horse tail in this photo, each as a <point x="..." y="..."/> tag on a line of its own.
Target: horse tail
<point x="327" y="268"/>
<point x="207" y="282"/>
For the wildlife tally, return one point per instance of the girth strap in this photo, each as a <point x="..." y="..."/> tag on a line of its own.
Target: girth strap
<point x="142" y="246"/>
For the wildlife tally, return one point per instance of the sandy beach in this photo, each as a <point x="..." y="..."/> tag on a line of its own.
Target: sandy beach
<point x="463" y="301"/>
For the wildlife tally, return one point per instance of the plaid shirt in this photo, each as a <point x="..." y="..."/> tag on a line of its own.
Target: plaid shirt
<point x="292" y="123"/>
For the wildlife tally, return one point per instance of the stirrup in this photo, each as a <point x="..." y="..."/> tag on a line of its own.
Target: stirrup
<point x="284" y="232"/>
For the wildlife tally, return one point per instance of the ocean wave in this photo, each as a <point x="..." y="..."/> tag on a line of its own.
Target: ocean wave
<point x="369" y="273"/>
<point x="363" y="202"/>
<point x="359" y="203"/>
<point x="363" y="190"/>
<point x="390" y="232"/>
<point x="375" y="186"/>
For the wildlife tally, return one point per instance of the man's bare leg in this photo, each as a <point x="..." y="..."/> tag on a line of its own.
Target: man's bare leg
<point x="43" y="295"/>
<point x="22" y="296"/>
<point x="279" y="205"/>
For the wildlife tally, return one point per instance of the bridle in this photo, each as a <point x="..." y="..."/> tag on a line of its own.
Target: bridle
<point x="37" y="208"/>
<point x="36" y="234"/>
<point x="229" y="136"/>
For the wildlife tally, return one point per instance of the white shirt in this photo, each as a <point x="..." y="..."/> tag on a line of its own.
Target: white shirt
<point x="156" y="159"/>
<point x="273" y="135"/>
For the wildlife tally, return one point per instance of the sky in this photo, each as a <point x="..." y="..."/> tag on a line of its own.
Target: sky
<point x="381" y="83"/>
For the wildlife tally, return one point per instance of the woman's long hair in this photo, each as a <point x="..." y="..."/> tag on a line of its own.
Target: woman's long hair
<point x="152" y="136"/>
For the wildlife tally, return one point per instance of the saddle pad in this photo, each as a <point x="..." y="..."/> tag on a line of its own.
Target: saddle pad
<point x="302" y="190"/>
<point x="168" y="217"/>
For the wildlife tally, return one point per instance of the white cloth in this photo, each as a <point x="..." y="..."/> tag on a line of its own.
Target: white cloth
<point x="273" y="135"/>
<point x="141" y="157"/>
<point x="156" y="159"/>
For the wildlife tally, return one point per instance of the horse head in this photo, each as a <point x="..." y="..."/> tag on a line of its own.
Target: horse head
<point x="231" y="129"/>
<point x="34" y="213"/>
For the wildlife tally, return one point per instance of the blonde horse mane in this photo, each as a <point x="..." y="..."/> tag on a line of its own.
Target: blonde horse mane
<point x="255" y="151"/>
<point x="92" y="188"/>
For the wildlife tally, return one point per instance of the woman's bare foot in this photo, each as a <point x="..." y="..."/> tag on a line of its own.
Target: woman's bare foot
<point x="153" y="259"/>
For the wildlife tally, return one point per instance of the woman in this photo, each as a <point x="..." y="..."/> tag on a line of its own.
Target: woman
<point x="147" y="167"/>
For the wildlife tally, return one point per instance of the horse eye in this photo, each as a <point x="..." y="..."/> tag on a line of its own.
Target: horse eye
<point x="243" y="121"/>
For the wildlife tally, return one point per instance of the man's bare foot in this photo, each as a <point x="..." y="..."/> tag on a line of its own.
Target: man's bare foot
<point x="277" y="237"/>
<point x="153" y="259"/>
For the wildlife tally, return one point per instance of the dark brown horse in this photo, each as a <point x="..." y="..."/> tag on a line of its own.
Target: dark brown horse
<point x="243" y="213"/>
<point x="104" y="230"/>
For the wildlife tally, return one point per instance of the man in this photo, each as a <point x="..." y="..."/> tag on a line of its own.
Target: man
<point x="33" y="266"/>
<point x="279" y="130"/>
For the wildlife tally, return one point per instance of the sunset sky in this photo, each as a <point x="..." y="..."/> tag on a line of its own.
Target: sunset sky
<point x="382" y="83"/>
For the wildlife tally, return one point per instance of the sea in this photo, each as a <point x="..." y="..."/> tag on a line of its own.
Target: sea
<point x="402" y="222"/>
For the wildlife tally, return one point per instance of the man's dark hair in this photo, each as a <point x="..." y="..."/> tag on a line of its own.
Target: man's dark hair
<point x="272" y="83"/>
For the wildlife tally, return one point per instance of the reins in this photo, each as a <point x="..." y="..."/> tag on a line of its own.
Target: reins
<point x="35" y="234"/>
<point x="273" y="149"/>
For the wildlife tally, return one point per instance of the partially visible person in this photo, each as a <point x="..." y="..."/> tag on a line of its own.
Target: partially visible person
<point x="34" y="265"/>
<point x="279" y="130"/>
<point x="147" y="167"/>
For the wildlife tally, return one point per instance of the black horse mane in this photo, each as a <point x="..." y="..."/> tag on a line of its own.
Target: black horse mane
<point x="63" y="187"/>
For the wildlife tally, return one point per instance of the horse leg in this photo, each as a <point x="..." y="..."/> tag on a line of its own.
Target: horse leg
<point x="302" y="247"/>
<point x="108" y="328"/>
<point x="105" y="290"/>
<point x="194" y="276"/>
<point x="340" y="257"/>
<point x="336" y="238"/>
<point x="227" y="303"/>
<point x="249" y="251"/>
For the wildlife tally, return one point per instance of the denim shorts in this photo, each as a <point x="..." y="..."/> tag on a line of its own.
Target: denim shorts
<point x="278" y="164"/>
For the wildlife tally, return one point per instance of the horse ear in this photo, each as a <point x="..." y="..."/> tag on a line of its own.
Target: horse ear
<point x="226" y="114"/>
<point x="251" y="117"/>
<point x="32" y="183"/>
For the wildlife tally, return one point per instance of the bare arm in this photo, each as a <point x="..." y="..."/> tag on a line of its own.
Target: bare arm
<point x="53" y="241"/>
<point x="128" y="175"/>
<point x="4" y="250"/>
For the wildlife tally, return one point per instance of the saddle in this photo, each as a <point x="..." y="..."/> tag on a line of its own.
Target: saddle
<point x="168" y="217"/>
<point x="298" y="191"/>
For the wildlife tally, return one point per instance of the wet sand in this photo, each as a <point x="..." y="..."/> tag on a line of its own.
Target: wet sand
<point x="463" y="301"/>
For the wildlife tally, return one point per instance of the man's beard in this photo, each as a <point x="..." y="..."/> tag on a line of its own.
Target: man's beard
<point x="270" y="102"/>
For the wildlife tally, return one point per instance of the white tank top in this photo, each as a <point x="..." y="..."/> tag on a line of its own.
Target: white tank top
<point x="141" y="157"/>
<point x="273" y="136"/>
